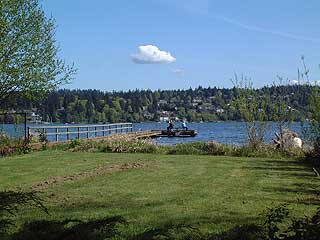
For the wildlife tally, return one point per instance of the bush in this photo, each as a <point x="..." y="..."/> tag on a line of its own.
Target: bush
<point x="130" y="146"/>
<point x="9" y="146"/>
<point x="115" y="146"/>
<point x="313" y="155"/>
<point x="105" y="228"/>
<point x="215" y="148"/>
<point x="74" y="143"/>
<point x="265" y="150"/>
<point x="10" y="202"/>
<point x="316" y="148"/>
<point x="307" y="228"/>
<point x="274" y="217"/>
<point x="83" y="146"/>
<point x="194" y="148"/>
<point x="205" y="148"/>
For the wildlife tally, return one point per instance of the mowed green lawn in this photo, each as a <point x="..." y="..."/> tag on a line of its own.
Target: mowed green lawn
<point x="150" y="191"/>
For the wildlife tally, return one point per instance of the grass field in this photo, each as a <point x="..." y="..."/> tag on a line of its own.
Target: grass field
<point x="209" y="193"/>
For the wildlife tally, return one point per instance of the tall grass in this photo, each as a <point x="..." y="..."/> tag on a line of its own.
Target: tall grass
<point x="195" y="148"/>
<point x="9" y="146"/>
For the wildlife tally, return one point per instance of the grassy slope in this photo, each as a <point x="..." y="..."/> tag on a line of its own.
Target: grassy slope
<point x="214" y="192"/>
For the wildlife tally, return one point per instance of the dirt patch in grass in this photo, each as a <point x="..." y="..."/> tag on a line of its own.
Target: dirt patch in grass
<point x="101" y="170"/>
<point x="238" y="172"/>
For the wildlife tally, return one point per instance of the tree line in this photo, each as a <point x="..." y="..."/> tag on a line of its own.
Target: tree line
<point x="199" y="104"/>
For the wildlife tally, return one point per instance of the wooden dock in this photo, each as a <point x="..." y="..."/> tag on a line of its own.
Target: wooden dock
<point x="69" y="132"/>
<point x="135" y="135"/>
<point x="116" y="131"/>
<point x="154" y="134"/>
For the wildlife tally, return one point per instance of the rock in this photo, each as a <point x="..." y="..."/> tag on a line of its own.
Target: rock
<point x="297" y="142"/>
<point x="287" y="140"/>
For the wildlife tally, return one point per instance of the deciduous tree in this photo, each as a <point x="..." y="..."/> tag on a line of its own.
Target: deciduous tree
<point x="29" y="61"/>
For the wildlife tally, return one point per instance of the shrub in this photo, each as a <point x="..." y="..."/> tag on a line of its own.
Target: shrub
<point x="188" y="148"/>
<point x="85" y="146"/>
<point x="316" y="148"/>
<point x="274" y="217"/>
<point x="106" y="228"/>
<point x="313" y="154"/>
<point x="307" y="228"/>
<point x="130" y="146"/>
<point x="115" y="146"/>
<point x="10" y="201"/>
<point x="125" y="145"/>
<point x="264" y="150"/>
<point x="9" y="146"/>
<point x="215" y="148"/>
<point x="206" y="148"/>
<point x="43" y="137"/>
<point x="74" y="143"/>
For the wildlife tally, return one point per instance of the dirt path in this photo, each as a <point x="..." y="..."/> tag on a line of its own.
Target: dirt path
<point x="101" y="170"/>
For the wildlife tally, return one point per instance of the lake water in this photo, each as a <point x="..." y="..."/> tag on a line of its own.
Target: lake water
<point x="224" y="132"/>
<point x="233" y="133"/>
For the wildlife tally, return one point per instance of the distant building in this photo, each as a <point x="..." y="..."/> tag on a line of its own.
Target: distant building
<point x="195" y="104"/>
<point x="162" y="101"/>
<point x="164" y="119"/>
<point x="197" y="100"/>
<point x="219" y="110"/>
<point x="164" y="116"/>
<point x="147" y="115"/>
<point x="34" y="118"/>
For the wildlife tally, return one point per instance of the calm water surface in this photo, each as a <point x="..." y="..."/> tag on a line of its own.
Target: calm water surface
<point x="223" y="132"/>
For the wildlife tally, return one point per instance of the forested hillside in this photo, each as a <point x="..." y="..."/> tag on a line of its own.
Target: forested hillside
<point x="200" y="104"/>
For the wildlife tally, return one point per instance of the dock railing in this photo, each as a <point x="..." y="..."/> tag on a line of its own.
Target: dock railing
<point x="70" y="132"/>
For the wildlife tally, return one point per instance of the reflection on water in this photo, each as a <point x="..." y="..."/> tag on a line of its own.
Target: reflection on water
<point x="223" y="132"/>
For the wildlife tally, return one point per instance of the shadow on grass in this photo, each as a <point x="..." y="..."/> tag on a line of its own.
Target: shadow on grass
<point x="296" y="169"/>
<point x="70" y="229"/>
<point x="310" y="191"/>
<point x="184" y="232"/>
<point x="169" y="231"/>
<point x="247" y="232"/>
<point x="295" y="189"/>
<point x="111" y="228"/>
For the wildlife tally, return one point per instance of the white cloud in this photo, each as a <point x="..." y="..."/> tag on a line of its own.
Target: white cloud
<point x="150" y="54"/>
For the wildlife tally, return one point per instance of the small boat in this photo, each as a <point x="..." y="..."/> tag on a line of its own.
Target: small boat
<point x="178" y="133"/>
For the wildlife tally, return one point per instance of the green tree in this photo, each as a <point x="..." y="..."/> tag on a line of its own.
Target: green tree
<point x="29" y="62"/>
<point x="282" y="109"/>
<point x="312" y="126"/>
<point x="247" y="100"/>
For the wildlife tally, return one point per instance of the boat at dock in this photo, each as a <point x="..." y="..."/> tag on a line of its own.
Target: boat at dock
<point x="176" y="133"/>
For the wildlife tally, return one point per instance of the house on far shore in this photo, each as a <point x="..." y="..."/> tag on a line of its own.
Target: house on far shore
<point x="164" y="116"/>
<point x="164" y="119"/>
<point x="34" y="118"/>
<point x="162" y="102"/>
<point x="219" y="110"/>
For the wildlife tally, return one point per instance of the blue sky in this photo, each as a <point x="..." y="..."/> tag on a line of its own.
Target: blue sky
<point x="197" y="42"/>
